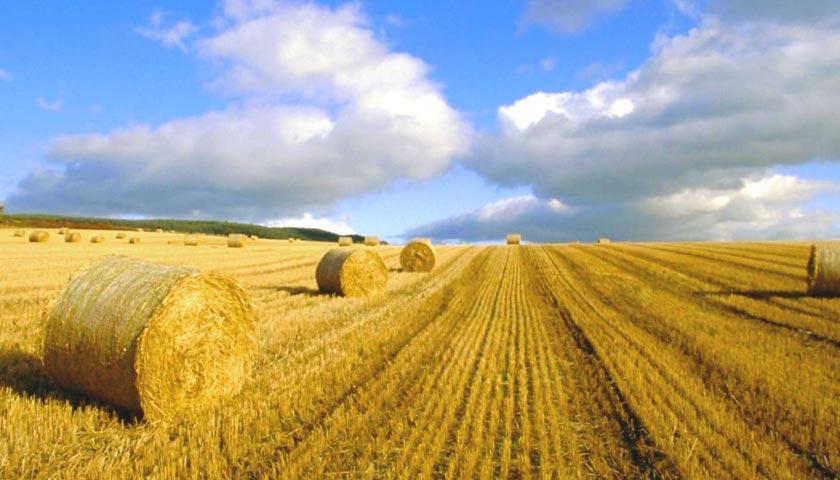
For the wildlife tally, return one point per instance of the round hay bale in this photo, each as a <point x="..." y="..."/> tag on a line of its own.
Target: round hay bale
<point x="172" y="242"/>
<point x="39" y="236"/>
<point x="97" y="239"/>
<point x="159" y="230"/>
<point x="191" y="240"/>
<point x="371" y="241"/>
<point x="345" y="241"/>
<point x="514" y="238"/>
<point x="824" y="271"/>
<point x="236" y="241"/>
<point x="63" y="230"/>
<point x="254" y="237"/>
<point x="73" y="237"/>
<point x="20" y="233"/>
<point x="291" y="239"/>
<point x="120" y="236"/>
<point x="139" y="230"/>
<point x="603" y="241"/>
<point x="351" y="272"/>
<point x="152" y="339"/>
<point x="134" y="240"/>
<point x="418" y="256"/>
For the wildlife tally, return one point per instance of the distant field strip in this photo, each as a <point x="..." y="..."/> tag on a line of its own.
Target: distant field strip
<point x="696" y="360"/>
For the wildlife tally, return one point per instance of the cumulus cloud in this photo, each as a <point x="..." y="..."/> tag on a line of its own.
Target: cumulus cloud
<point x="323" y="110"/>
<point x="307" y="220"/>
<point x="784" y="11"/>
<point x="768" y="207"/>
<point x="569" y="16"/>
<point x="707" y="109"/>
<point x="173" y="35"/>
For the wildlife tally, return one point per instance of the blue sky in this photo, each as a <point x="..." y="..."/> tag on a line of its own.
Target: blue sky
<point x="562" y="119"/>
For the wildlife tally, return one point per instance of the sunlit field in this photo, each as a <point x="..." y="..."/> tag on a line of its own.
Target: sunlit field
<point x="692" y="360"/>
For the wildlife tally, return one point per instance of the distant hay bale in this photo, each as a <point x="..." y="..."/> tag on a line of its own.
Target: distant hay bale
<point x="151" y="339"/>
<point x="191" y="240"/>
<point x="73" y="237"/>
<point x="824" y="271"/>
<point x="418" y="256"/>
<point x="603" y="241"/>
<point x="514" y="238"/>
<point x="120" y="236"/>
<point x="351" y="272"/>
<point x="172" y="242"/>
<point x="139" y="230"/>
<point x="254" y="237"/>
<point x="134" y="240"/>
<point x="97" y="239"/>
<point x="39" y="236"/>
<point x="291" y="240"/>
<point x="236" y="241"/>
<point x="345" y="241"/>
<point x="371" y="241"/>
<point x="159" y="230"/>
<point x="63" y="230"/>
<point x="20" y="233"/>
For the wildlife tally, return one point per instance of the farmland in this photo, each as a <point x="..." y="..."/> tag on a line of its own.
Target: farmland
<point x="691" y="360"/>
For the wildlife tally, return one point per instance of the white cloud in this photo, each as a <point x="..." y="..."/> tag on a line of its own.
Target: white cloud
<point x="51" y="106"/>
<point x="308" y="221"/>
<point x="699" y="214"/>
<point x="323" y="111"/>
<point x="5" y="76"/>
<point x="568" y="16"/>
<point x="170" y="36"/>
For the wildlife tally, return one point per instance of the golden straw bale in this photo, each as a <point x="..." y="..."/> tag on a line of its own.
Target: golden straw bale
<point x="291" y="239"/>
<point x="236" y="241"/>
<point x="371" y="241"/>
<point x="139" y="230"/>
<point x="63" y="230"/>
<point x="39" y="236"/>
<point x="351" y="272"/>
<point x="134" y="240"/>
<point x="159" y="230"/>
<point x="345" y="241"/>
<point x="97" y="239"/>
<point x="418" y="256"/>
<point x="20" y="233"/>
<point x="254" y="237"/>
<point x="824" y="271"/>
<point x="172" y="242"/>
<point x="191" y="240"/>
<point x="603" y="241"/>
<point x="151" y="339"/>
<point x="120" y="236"/>
<point x="73" y="237"/>
<point x="514" y="238"/>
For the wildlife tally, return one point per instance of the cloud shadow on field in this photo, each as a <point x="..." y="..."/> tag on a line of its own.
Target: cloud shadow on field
<point x="295" y="291"/>
<point x="24" y="374"/>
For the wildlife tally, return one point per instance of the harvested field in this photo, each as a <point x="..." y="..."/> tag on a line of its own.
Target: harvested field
<point x="694" y="360"/>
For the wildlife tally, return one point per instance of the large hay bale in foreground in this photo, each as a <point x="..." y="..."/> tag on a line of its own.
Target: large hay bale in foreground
<point x="351" y="272"/>
<point x="191" y="240"/>
<point x="39" y="236"/>
<point x="371" y="241"/>
<point x="514" y="238"/>
<point x="134" y="240"/>
<point x="824" y="271"/>
<point x="120" y="236"/>
<point x="236" y="241"/>
<point x="418" y="256"/>
<point x="345" y="241"/>
<point x="97" y="239"/>
<point x="73" y="237"/>
<point x="20" y="233"/>
<point x="603" y="241"/>
<point x="148" y="338"/>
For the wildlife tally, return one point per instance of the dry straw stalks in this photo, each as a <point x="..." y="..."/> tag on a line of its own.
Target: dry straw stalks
<point x="824" y="271"/>
<point x="351" y="272"/>
<point x="418" y="256"/>
<point x="151" y="339"/>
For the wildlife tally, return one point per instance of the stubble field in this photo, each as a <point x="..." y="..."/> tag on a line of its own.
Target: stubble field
<point x="538" y="361"/>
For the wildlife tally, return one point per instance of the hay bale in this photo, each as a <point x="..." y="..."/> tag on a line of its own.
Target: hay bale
<point x="603" y="241"/>
<point x="39" y="236"/>
<point x="120" y="236"/>
<point x="371" y="241"/>
<point x="134" y="240"/>
<point x="514" y="238"/>
<point x="418" y="256"/>
<point x="63" y="230"/>
<point x="345" y="241"/>
<point x="191" y="240"/>
<point x="236" y="241"/>
<point x="139" y="230"/>
<point x="291" y="239"/>
<point x="159" y="230"/>
<point x="172" y="242"/>
<point x="824" y="271"/>
<point x="351" y="272"/>
<point x="97" y="239"/>
<point x="151" y="339"/>
<point x="20" y="233"/>
<point x="73" y="237"/>
<point x="254" y="237"/>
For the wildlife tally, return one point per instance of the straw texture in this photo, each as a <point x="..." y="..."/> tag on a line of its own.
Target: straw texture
<point x="191" y="240"/>
<point x="97" y="239"/>
<point x="351" y="272"/>
<point x="73" y="237"/>
<point x="418" y="256"/>
<point x="514" y="238"/>
<point x="824" y="271"/>
<point x="372" y="241"/>
<point x="39" y="236"/>
<point x="151" y="339"/>
<point x="236" y="241"/>
<point x="603" y="241"/>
